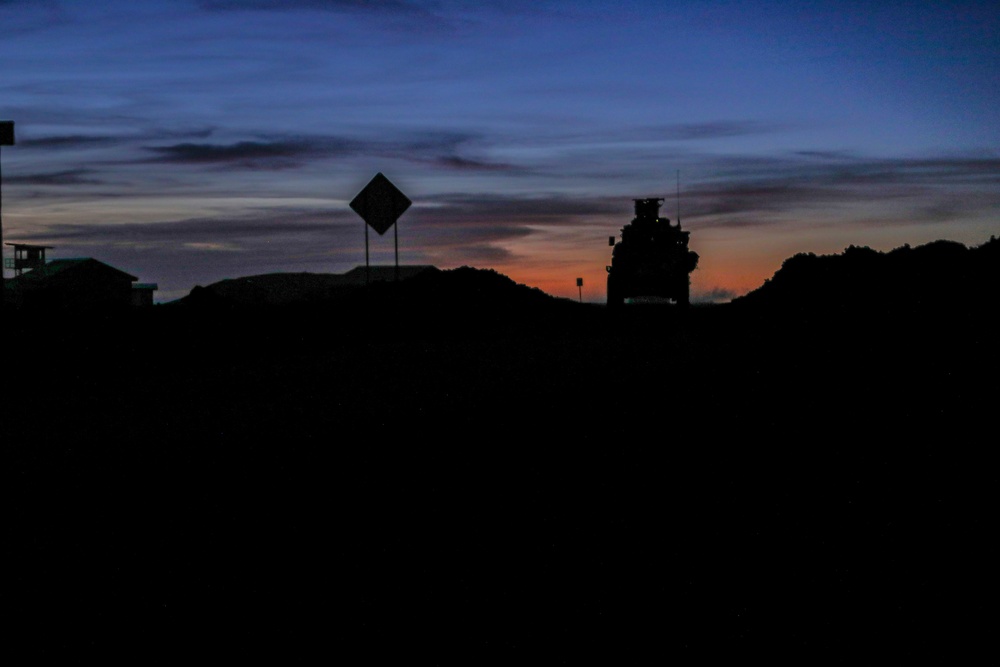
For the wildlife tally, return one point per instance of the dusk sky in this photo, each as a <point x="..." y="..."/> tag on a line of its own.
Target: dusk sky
<point x="190" y="141"/>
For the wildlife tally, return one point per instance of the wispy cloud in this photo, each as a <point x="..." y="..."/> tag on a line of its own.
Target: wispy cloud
<point x="246" y="154"/>
<point x="715" y="295"/>
<point x="65" y="177"/>
<point x="549" y="209"/>
<point x="484" y="253"/>
<point x="466" y="164"/>
<point x="712" y="130"/>
<point x="326" y="5"/>
<point x="415" y="19"/>
<point x="403" y="14"/>
<point x="68" y="141"/>
<point x="478" y="228"/>
<point x="260" y="224"/>
<point x="846" y="169"/>
<point x="30" y="16"/>
<point x="717" y="129"/>
<point x="441" y="149"/>
<point x="921" y="190"/>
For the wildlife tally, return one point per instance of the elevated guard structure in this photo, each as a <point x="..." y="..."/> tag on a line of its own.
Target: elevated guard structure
<point x="26" y="257"/>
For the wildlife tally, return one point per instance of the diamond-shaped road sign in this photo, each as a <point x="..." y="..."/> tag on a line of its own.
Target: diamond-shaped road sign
<point x="380" y="203"/>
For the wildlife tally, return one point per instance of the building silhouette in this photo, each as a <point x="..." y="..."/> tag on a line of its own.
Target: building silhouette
<point x="71" y="283"/>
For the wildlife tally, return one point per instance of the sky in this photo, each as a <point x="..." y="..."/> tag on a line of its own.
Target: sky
<point x="188" y="141"/>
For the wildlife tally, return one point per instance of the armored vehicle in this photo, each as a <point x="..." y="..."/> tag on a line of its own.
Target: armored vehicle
<point x="652" y="259"/>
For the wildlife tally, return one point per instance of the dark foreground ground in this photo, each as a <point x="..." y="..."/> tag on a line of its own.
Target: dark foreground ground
<point x="538" y="485"/>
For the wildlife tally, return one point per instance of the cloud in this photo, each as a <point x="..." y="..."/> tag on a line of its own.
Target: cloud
<point x="327" y="5"/>
<point x="397" y="16"/>
<point x="261" y="224"/>
<point x="65" y="177"/>
<point x="824" y="155"/>
<point x="213" y="247"/>
<point x="524" y="209"/>
<point x="713" y="130"/>
<point x="735" y="223"/>
<point x="246" y="154"/>
<point x="59" y="142"/>
<point x="465" y="164"/>
<point x="830" y="168"/>
<point x="440" y="149"/>
<point x="485" y="253"/>
<point x="390" y="9"/>
<point x="715" y="295"/>
<point x="748" y="198"/>
<point x="28" y="3"/>
<point x="757" y="192"/>
<point x="68" y="141"/>
<point x="719" y="129"/>
<point x="475" y="228"/>
<point x="30" y="16"/>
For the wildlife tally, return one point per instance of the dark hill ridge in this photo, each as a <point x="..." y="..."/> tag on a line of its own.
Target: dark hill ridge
<point x="419" y="286"/>
<point x="935" y="276"/>
<point x="942" y="275"/>
<point x="281" y="289"/>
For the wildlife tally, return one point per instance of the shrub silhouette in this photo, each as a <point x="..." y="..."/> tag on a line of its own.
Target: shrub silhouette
<point x="934" y="275"/>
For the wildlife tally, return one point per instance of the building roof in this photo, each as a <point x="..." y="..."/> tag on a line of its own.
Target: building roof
<point x="62" y="266"/>
<point x="28" y="246"/>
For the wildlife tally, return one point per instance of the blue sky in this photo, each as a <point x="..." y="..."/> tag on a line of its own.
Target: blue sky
<point x="190" y="141"/>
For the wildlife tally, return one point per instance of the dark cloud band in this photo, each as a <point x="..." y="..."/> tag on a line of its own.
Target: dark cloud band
<point x="65" y="177"/>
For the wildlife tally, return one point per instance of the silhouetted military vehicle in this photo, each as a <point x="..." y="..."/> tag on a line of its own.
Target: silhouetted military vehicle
<point x="652" y="259"/>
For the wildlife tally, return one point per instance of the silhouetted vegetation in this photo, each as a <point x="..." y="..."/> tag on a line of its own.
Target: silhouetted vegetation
<point x="943" y="275"/>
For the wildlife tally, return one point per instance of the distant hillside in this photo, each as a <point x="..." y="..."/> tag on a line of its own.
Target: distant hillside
<point x="942" y="274"/>
<point x="418" y="286"/>
<point x="283" y="289"/>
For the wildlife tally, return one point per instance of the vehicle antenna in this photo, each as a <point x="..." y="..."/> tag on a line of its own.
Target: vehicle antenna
<point x="678" y="198"/>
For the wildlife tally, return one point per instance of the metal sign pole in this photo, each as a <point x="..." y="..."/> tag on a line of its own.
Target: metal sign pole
<point x="6" y="139"/>
<point x="368" y="278"/>
<point x="3" y="282"/>
<point x="395" y="230"/>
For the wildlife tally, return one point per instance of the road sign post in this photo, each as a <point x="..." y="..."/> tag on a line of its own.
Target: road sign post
<point x="579" y="285"/>
<point x="380" y="203"/>
<point x="6" y="139"/>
